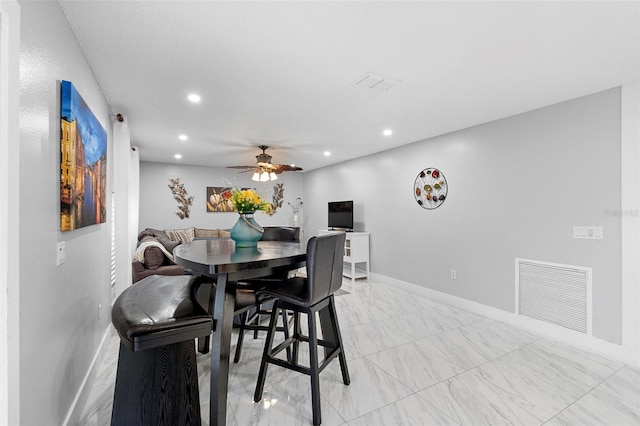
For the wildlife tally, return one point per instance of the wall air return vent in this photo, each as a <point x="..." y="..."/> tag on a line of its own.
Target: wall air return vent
<point x="375" y="82"/>
<point x="554" y="293"/>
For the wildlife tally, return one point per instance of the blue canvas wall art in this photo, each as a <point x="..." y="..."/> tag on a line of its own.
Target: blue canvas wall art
<point x="83" y="163"/>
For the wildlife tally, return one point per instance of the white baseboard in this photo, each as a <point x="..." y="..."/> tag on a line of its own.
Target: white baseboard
<point x="550" y="331"/>
<point x="75" y="411"/>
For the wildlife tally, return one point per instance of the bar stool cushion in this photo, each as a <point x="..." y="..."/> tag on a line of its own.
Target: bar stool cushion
<point x="245" y="299"/>
<point x="158" y="311"/>
<point x="294" y="290"/>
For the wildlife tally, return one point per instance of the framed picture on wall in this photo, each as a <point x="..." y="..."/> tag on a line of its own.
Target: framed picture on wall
<point x="83" y="163"/>
<point x="218" y="199"/>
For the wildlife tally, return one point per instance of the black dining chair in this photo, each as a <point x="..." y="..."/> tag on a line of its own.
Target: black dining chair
<point x="310" y="295"/>
<point x="252" y="308"/>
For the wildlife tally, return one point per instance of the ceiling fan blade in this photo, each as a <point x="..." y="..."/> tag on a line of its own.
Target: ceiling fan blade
<point x="241" y="167"/>
<point x="279" y="168"/>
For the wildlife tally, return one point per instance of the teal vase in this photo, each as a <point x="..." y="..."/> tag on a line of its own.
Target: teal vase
<point x="246" y="232"/>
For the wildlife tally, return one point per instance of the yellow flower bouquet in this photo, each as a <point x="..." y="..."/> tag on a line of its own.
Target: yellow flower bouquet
<point x="247" y="201"/>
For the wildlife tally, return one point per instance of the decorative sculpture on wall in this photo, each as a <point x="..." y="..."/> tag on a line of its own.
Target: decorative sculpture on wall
<point x="430" y="188"/>
<point x="180" y="195"/>
<point x="278" y="196"/>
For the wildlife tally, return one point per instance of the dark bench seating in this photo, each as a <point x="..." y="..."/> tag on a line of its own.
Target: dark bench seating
<point x="157" y="320"/>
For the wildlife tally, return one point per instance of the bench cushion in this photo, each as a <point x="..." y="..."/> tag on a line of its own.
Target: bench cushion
<point x="157" y="311"/>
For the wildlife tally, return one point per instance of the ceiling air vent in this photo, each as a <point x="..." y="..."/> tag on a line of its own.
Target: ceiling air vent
<point x="376" y="82"/>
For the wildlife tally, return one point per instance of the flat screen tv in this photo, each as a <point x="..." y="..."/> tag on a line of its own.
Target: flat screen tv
<point x="341" y="215"/>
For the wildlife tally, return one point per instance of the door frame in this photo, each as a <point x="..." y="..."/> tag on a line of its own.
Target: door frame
<point x="9" y="212"/>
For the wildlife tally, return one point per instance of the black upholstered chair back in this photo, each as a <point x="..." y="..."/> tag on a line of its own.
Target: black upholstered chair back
<point x="281" y="233"/>
<point x="324" y="266"/>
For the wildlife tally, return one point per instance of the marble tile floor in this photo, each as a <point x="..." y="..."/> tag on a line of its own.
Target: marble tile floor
<point x="415" y="361"/>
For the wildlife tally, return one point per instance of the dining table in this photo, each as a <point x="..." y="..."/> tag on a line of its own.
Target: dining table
<point x="225" y="264"/>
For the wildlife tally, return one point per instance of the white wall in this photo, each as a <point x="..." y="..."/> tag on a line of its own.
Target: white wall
<point x="124" y="197"/>
<point x="517" y="186"/>
<point x="61" y="327"/>
<point x="9" y="214"/>
<point x="158" y="208"/>
<point x="630" y="216"/>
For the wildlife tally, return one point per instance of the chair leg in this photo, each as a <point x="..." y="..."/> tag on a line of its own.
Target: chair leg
<point x="285" y="326"/>
<point x="256" y="320"/>
<point x="296" y="337"/>
<point x="204" y="295"/>
<point x="243" y="321"/>
<point x="313" y="368"/>
<point x="273" y="322"/>
<point x="336" y="332"/>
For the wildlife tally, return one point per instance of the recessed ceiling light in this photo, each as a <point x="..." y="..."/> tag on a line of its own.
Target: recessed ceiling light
<point x="177" y="156"/>
<point x="183" y="137"/>
<point x="327" y="153"/>
<point x="387" y="132"/>
<point x="194" y="97"/>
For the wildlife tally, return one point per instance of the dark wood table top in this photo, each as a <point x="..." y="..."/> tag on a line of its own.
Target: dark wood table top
<point x="220" y="256"/>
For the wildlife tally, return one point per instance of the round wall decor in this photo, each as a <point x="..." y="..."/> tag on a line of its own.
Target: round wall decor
<point x="430" y="188"/>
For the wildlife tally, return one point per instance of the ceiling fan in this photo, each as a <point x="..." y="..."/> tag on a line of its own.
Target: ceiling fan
<point x="265" y="170"/>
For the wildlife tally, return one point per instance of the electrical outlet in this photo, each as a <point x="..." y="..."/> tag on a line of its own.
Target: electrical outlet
<point x="453" y="274"/>
<point x="61" y="253"/>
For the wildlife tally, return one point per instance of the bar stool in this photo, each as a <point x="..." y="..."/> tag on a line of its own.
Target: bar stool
<point x="157" y="320"/>
<point x="249" y="306"/>
<point x="310" y="295"/>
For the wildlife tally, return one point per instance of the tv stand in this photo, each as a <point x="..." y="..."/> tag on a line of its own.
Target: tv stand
<point x="356" y="253"/>
<point x="340" y="230"/>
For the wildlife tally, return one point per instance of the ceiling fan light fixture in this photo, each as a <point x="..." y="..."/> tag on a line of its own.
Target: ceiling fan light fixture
<point x="265" y="171"/>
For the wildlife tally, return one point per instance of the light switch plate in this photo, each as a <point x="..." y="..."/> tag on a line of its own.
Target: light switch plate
<point x="61" y="252"/>
<point x="588" y="232"/>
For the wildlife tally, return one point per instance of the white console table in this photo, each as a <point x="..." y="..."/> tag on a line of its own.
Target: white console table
<point x="356" y="254"/>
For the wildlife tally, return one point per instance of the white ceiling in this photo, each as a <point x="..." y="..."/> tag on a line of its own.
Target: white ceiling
<point x="282" y="73"/>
